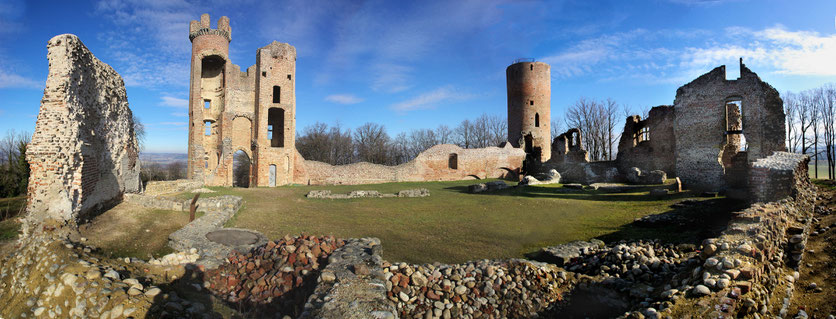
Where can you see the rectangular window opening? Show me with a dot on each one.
(288, 77)
(277, 93)
(264, 74)
(207, 104)
(275, 125)
(208, 126)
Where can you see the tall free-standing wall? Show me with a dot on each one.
(83, 155)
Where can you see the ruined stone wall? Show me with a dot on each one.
(83, 155)
(657, 152)
(434, 164)
(700, 124)
(529, 107)
(765, 241)
(777, 176)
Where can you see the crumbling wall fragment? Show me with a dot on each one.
(701, 125)
(83, 155)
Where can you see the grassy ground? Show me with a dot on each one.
(128, 230)
(452, 225)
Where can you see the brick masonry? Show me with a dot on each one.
(434, 164)
(83, 154)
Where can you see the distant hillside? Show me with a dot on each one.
(162, 158)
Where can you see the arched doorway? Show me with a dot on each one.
(240, 169)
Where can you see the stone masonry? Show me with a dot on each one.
(706, 122)
(83, 155)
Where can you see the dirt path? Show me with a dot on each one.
(819, 263)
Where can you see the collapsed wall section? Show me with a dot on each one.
(648, 144)
(443, 162)
(83, 155)
(713, 113)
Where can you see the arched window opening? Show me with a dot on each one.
(240, 169)
(453, 161)
(275, 127)
(536, 119)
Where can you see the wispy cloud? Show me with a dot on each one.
(783, 51)
(343, 99)
(654, 56)
(431, 99)
(163, 59)
(171, 101)
(174, 123)
(384, 42)
(10, 80)
(179, 114)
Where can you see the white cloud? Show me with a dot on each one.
(163, 59)
(9, 80)
(391, 78)
(343, 99)
(675, 56)
(431, 100)
(783, 51)
(174, 123)
(171, 101)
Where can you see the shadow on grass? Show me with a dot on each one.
(634, 194)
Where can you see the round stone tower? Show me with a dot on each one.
(207, 92)
(529, 108)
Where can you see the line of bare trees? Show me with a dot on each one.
(811, 127)
(371, 143)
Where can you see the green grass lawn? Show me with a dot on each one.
(452, 225)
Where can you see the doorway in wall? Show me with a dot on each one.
(240, 169)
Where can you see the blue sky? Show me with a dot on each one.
(420, 64)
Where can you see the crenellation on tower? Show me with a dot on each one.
(233, 111)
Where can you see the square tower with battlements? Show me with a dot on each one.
(241, 123)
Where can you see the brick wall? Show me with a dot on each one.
(431, 165)
(83, 154)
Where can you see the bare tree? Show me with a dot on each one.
(791, 111)
(371, 143)
(610, 112)
(444, 134)
(139, 133)
(465, 135)
(590, 117)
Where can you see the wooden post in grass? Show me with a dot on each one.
(193, 208)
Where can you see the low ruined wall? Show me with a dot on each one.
(762, 246)
(583, 172)
(155, 188)
(83, 155)
(434, 164)
(776, 176)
